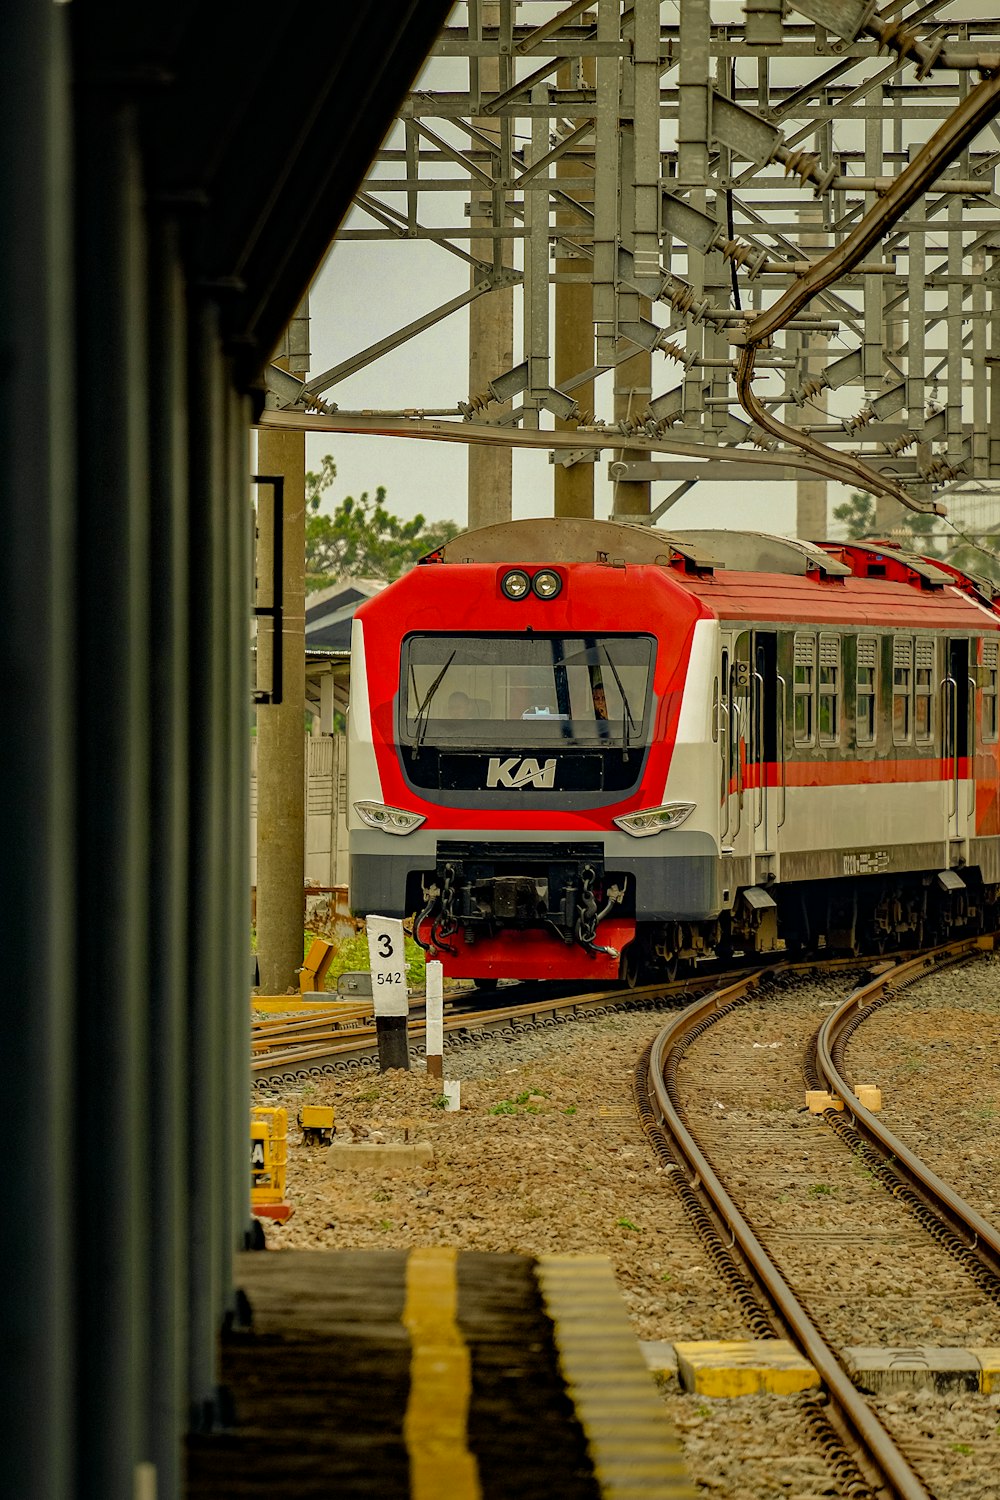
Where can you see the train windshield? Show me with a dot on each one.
(526, 689)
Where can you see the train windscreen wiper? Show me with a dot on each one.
(627, 719)
(423, 710)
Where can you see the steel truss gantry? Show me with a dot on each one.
(789, 209)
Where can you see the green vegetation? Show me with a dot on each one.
(920, 532)
(353, 954)
(521, 1104)
(627, 1224)
(361, 539)
(821, 1190)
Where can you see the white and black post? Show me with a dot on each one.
(435, 1018)
(387, 956)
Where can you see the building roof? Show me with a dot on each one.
(329, 612)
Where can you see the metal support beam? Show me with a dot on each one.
(708, 187)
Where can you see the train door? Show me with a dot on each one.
(725, 741)
(765, 752)
(957, 702)
(736, 665)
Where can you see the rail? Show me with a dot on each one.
(893, 1468)
(961, 1218)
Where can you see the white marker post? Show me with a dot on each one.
(435, 1018)
(387, 956)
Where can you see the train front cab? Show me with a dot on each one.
(536, 835)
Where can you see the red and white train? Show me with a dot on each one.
(583, 749)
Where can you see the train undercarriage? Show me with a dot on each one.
(866, 916)
(470, 906)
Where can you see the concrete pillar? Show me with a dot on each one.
(811, 518)
(491, 327)
(281, 738)
(633, 389)
(811, 508)
(491, 352)
(574, 304)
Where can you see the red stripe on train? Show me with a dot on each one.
(853, 772)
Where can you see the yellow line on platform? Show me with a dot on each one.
(436, 1423)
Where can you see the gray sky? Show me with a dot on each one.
(367, 290)
(364, 292)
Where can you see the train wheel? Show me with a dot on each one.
(630, 966)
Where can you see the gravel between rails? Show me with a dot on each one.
(546, 1155)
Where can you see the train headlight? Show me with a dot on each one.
(388, 819)
(546, 584)
(516, 584)
(655, 819)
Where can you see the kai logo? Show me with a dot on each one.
(517, 773)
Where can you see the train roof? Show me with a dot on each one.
(748, 574)
(569, 539)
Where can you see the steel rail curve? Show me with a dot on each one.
(864, 1426)
(959, 1216)
(347, 1046)
(312, 1042)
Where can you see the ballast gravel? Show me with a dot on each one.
(546, 1155)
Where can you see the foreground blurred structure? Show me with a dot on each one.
(153, 166)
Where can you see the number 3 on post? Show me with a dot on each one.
(388, 964)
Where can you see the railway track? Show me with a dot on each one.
(343, 1035)
(337, 1034)
(864, 1456)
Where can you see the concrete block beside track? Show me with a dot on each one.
(660, 1357)
(920, 1367)
(989, 1370)
(748, 1367)
(368, 1156)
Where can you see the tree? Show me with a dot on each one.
(980, 561)
(914, 530)
(858, 515)
(361, 539)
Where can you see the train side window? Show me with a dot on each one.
(866, 686)
(991, 709)
(923, 691)
(804, 690)
(829, 689)
(902, 689)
